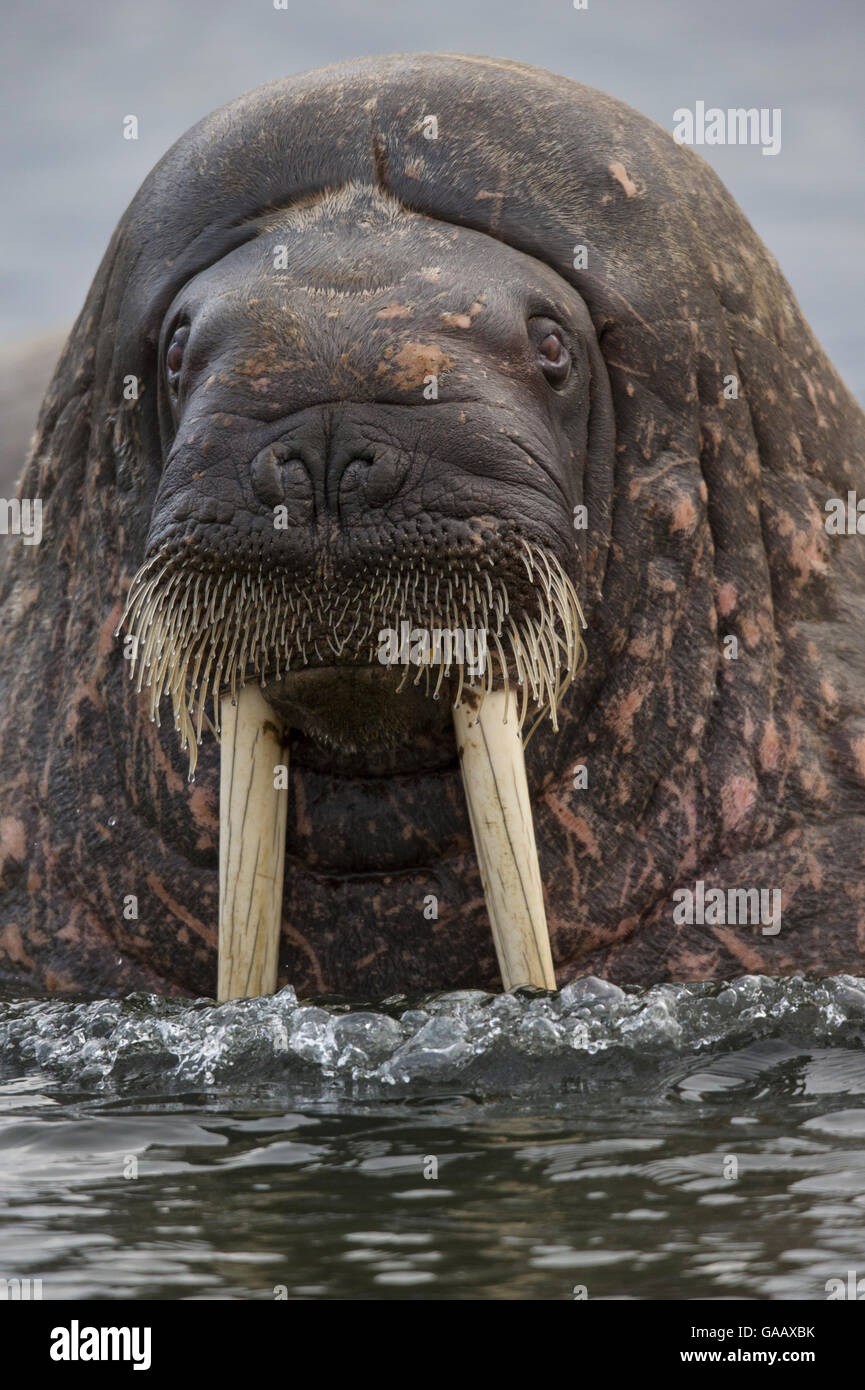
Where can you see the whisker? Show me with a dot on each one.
(200, 633)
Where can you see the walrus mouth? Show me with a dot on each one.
(221, 636)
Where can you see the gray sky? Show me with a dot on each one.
(72, 71)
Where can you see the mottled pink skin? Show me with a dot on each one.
(747, 772)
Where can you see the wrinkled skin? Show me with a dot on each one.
(705, 522)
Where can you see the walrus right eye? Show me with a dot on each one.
(174, 357)
(552, 355)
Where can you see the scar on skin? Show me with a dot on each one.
(727, 599)
(857, 748)
(684, 515)
(13, 838)
(620, 173)
(462, 320)
(395, 311)
(413, 363)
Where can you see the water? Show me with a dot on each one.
(680, 1142)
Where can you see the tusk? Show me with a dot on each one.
(494, 777)
(252, 816)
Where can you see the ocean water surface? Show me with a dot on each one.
(678, 1142)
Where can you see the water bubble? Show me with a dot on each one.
(590, 991)
(465, 1040)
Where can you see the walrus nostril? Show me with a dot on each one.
(371, 480)
(278, 479)
(384, 479)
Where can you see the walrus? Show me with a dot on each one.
(500, 355)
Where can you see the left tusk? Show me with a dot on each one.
(252, 819)
(494, 777)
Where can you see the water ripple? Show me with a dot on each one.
(464, 1040)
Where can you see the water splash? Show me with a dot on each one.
(468, 1040)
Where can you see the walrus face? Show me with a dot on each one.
(392, 429)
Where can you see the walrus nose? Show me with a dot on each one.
(311, 482)
(280, 479)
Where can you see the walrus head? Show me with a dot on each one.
(391, 433)
(370, 425)
(243, 448)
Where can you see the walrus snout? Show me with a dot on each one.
(321, 468)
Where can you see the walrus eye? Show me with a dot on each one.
(174, 356)
(553, 356)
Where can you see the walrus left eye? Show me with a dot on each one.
(553, 356)
(174, 356)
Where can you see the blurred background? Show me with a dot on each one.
(71, 73)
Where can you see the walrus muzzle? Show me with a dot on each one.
(225, 637)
